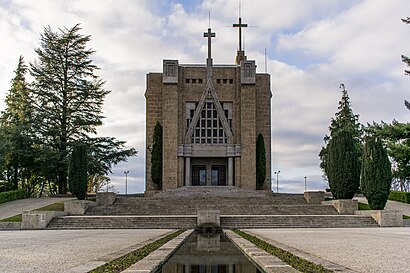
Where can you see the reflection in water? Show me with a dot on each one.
(208, 253)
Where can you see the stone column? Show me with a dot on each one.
(188, 171)
(230, 268)
(230, 171)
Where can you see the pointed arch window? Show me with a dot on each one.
(209, 129)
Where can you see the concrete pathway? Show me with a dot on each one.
(71, 251)
(391, 205)
(376, 250)
(12, 208)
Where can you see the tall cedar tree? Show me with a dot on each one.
(260, 161)
(343, 165)
(15, 125)
(68, 97)
(156, 156)
(344, 119)
(77, 174)
(376, 173)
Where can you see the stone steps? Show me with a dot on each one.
(186, 222)
(182, 208)
(121, 222)
(298, 221)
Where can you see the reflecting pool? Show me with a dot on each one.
(208, 253)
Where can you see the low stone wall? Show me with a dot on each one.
(77, 207)
(106, 198)
(209, 218)
(344, 206)
(38, 219)
(385, 218)
(10, 225)
(314, 197)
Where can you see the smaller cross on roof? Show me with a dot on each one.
(209, 35)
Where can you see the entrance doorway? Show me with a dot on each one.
(218, 175)
(198, 175)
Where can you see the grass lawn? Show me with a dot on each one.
(364, 206)
(15, 218)
(53, 207)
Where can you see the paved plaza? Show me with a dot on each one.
(66, 250)
(376, 250)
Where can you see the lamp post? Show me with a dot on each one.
(305, 182)
(126, 181)
(277, 181)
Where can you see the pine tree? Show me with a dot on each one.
(343, 165)
(376, 177)
(68, 97)
(77, 174)
(260, 161)
(156, 156)
(15, 123)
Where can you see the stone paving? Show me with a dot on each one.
(67, 250)
(12, 208)
(376, 250)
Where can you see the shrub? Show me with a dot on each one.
(376, 173)
(260, 162)
(77, 173)
(156, 156)
(343, 165)
(12, 195)
(400, 196)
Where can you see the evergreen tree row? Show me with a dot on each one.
(350, 164)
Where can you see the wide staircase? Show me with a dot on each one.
(238, 209)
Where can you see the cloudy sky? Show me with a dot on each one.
(312, 46)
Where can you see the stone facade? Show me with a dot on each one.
(211, 116)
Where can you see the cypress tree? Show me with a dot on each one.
(77, 174)
(344, 119)
(156, 156)
(260, 161)
(376, 177)
(343, 165)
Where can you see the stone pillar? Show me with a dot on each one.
(230, 171)
(188, 171)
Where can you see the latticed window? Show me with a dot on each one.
(209, 128)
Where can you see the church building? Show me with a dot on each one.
(211, 115)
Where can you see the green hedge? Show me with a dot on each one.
(400, 196)
(12, 195)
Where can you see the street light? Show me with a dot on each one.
(305, 182)
(277, 181)
(126, 181)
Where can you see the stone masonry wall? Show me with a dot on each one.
(263, 120)
(153, 96)
(248, 137)
(170, 135)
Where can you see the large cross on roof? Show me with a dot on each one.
(240, 26)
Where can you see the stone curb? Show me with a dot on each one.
(10, 225)
(90, 265)
(156, 259)
(266, 261)
(306, 256)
